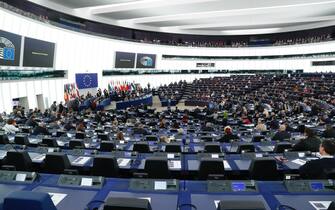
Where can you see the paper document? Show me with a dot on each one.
(226, 164)
(57, 197)
(81, 160)
(299, 162)
(160, 185)
(123, 162)
(259, 155)
(86, 182)
(20, 177)
(175, 164)
(320, 205)
(170, 156)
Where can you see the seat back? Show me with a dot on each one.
(105, 166)
(28, 200)
(263, 169)
(103, 136)
(210, 166)
(151, 138)
(106, 146)
(212, 148)
(280, 148)
(157, 168)
(258, 138)
(50, 142)
(4, 138)
(56, 163)
(80, 135)
(60, 133)
(141, 147)
(207, 138)
(173, 147)
(20, 159)
(21, 139)
(76, 144)
(245, 148)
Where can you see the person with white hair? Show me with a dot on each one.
(282, 134)
(10, 127)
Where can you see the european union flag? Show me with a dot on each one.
(9, 54)
(87, 80)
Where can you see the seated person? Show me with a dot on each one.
(208, 127)
(179, 134)
(139, 129)
(329, 132)
(10, 127)
(260, 126)
(228, 135)
(315, 169)
(81, 127)
(31, 122)
(120, 136)
(41, 129)
(164, 139)
(310, 143)
(282, 134)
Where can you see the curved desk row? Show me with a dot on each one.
(145, 100)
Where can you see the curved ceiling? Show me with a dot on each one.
(204, 17)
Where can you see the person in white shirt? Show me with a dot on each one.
(10, 127)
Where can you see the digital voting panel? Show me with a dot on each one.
(38, 53)
(146, 61)
(10, 49)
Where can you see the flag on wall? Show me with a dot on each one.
(87, 80)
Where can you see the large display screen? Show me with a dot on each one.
(38, 53)
(146, 61)
(124, 60)
(10, 48)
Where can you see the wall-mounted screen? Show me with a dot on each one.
(323, 63)
(38, 53)
(10, 48)
(146, 61)
(124, 60)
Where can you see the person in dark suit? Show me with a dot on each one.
(311, 143)
(329, 132)
(139, 129)
(41, 130)
(31, 122)
(316, 169)
(282, 134)
(228, 135)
